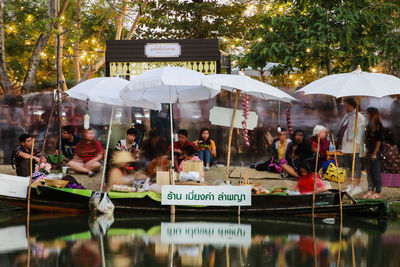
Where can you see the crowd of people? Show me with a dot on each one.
(85, 154)
(298, 157)
(293, 156)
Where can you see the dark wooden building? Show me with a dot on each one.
(132, 57)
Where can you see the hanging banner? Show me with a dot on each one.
(206, 233)
(162, 50)
(206, 195)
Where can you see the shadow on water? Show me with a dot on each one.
(139, 240)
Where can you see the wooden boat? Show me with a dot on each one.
(51, 199)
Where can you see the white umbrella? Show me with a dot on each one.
(249, 71)
(106, 90)
(356, 83)
(243, 84)
(170, 85)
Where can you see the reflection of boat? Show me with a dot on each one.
(76, 201)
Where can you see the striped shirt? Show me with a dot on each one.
(122, 146)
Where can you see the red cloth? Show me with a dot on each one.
(306, 246)
(89, 150)
(323, 146)
(305, 185)
(177, 145)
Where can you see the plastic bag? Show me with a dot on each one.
(100, 204)
(333, 172)
(105, 205)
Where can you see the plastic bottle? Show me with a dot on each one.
(331, 147)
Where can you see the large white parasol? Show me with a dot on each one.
(170, 85)
(106, 90)
(243, 84)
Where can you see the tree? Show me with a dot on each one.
(334, 36)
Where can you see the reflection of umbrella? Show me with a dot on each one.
(356, 83)
(106, 90)
(170, 85)
(243, 84)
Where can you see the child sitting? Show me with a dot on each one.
(305, 185)
(188, 154)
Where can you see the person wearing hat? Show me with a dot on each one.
(121, 171)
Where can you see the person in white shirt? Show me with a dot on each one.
(345, 143)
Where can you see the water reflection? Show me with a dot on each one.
(160, 241)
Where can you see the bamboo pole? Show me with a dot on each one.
(340, 203)
(48, 126)
(353, 254)
(29, 203)
(314, 244)
(315, 176)
(337, 173)
(355, 143)
(103, 175)
(230, 135)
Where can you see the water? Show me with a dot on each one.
(139, 240)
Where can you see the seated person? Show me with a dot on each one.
(159, 163)
(129, 143)
(88, 154)
(321, 132)
(279, 150)
(120, 172)
(189, 153)
(23, 155)
(305, 185)
(390, 153)
(206, 148)
(68, 142)
(181, 144)
(298, 150)
(151, 146)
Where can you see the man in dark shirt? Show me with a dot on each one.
(68, 142)
(23, 155)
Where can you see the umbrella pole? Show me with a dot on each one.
(28, 209)
(106, 152)
(230, 135)
(171, 167)
(355, 143)
(315, 176)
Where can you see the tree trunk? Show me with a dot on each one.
(94, 68)
(120, 20)
(39, 47)
(59, 45)
(4, 78)
(77, 65)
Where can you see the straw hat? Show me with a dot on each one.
(122, 157)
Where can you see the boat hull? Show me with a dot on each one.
(326, 205)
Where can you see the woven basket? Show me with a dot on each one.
(56, 183)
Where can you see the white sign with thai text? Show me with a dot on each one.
(206, 233)
(223, 117)
(162, 50)
(206, 195)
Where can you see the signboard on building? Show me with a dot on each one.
(206, 195)
(162, 50)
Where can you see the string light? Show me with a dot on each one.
(271, 29)
(308, 50)
(373, 70)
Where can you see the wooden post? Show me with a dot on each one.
(355, 143)
(315, 176)
(228, 161)
(337, 173)
(29, 202)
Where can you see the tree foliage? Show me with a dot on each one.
(332, 36)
